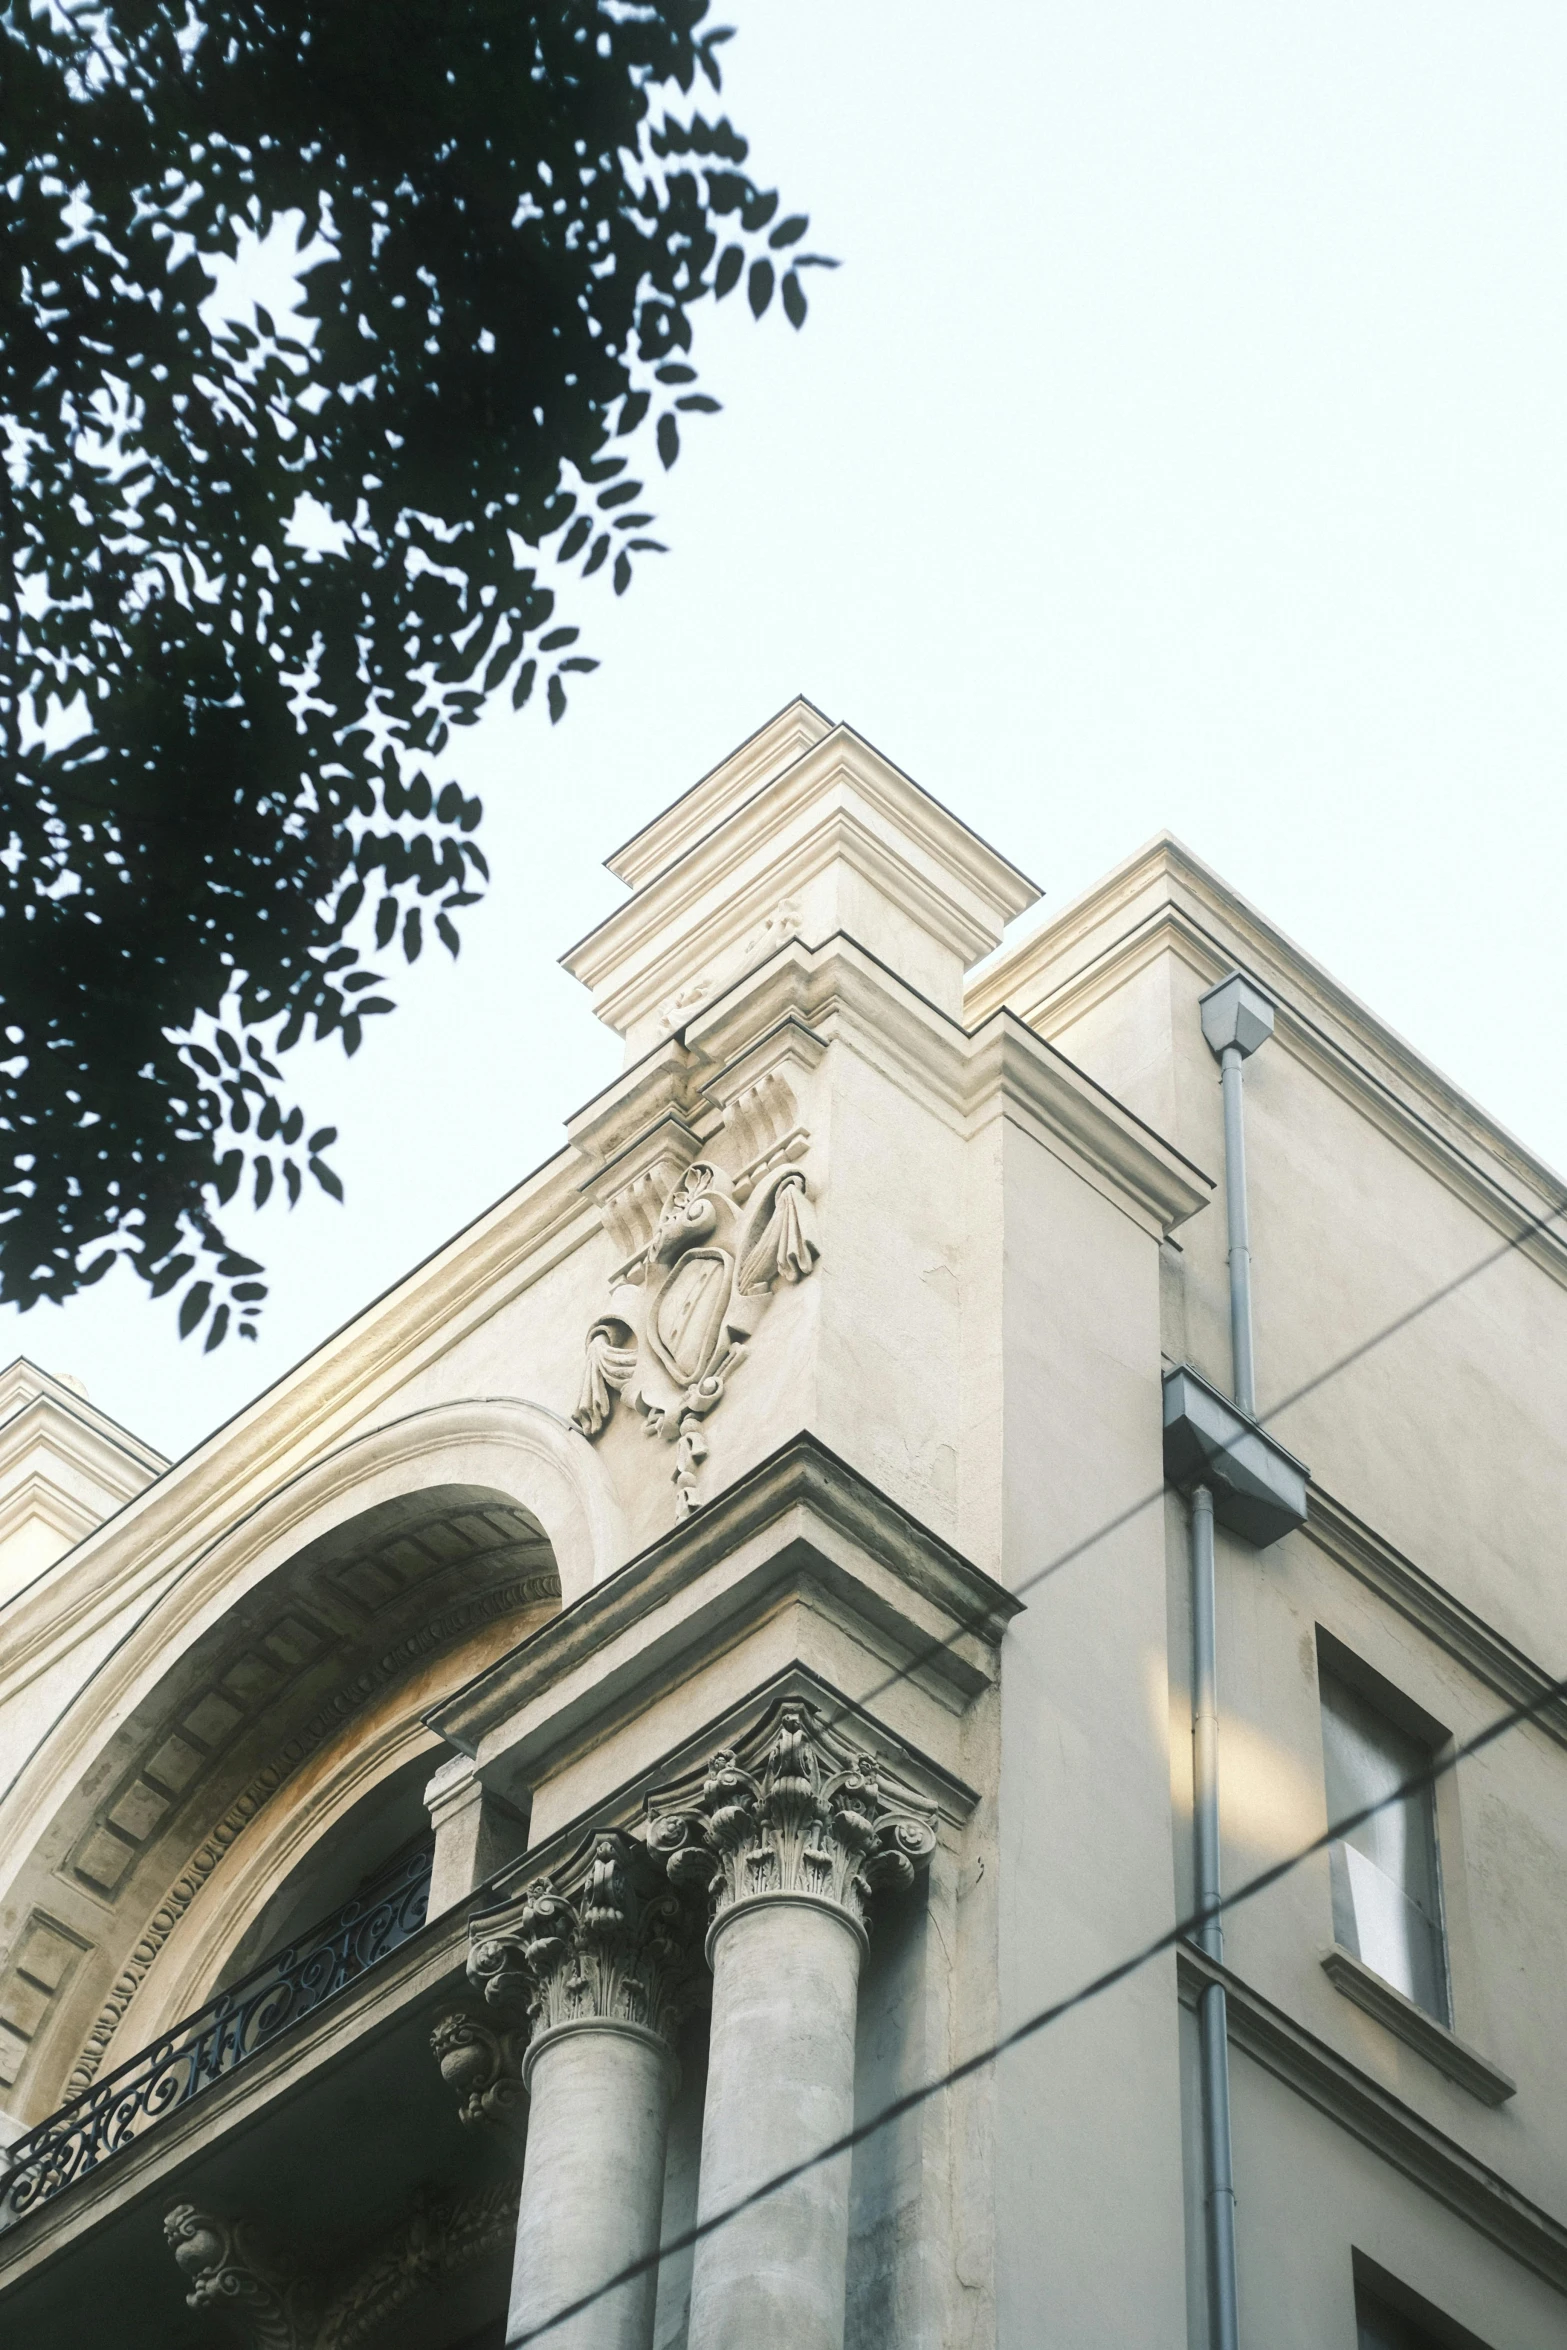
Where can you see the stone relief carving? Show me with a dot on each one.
(793, 1808)
(440, 2237)
(481, 2063)
(277, 2305)
(234, 2273)
(772, 932)
(603, 1937)
(686, 1306)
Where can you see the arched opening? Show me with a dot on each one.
(353, 1855)
(274, 1762)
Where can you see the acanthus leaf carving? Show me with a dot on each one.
(603, 1938)
(793, 1809)
(439, 2237)
(685, 1310)
(233, 2272)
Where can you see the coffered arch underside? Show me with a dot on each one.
(251, 1727)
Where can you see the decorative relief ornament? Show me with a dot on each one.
(796, 1809)
(232, 2272)
(602, 1939)
(440, 2238)
(685, 1307)
(481, 2063)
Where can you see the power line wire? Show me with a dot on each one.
(936, 1649)
(1185, 1929)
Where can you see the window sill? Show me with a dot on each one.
(1422, 2032)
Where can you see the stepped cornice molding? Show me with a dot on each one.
(835, 992)
(1383, 2121)
(1010, 1064)
(729, 785)
(32, 1403)
(1423, 1602)
(802, 1511)
(741, 885)
(1166, 898)
(302, 1421)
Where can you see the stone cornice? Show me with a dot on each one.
(1163, 899)
(411, 1975)
(953, 1630)
(34, 1407)
(730, 784)
(1487, 1653)
(839, 801)
(1118, 1151)
(1384, 2122)
(153, 1538)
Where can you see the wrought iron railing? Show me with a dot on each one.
(234, 2026)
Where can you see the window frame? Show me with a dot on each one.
(1411, 1720)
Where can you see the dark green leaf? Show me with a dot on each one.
(193, 1305)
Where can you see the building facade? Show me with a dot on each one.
(621, 1746)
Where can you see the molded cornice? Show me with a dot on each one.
(1136, 1166)
(725, 787)
(949, 1634)
(1490, 1656)
(1164, 898)
(1382, 2121)
(839, 804)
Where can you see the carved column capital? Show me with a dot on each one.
(795, 1809)
(233, 2273)
(601, 1939)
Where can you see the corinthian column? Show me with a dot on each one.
(793, 1833)
(597, 1958)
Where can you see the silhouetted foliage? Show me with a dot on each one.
(252, 573)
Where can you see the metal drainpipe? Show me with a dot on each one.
(1212, 2007)
(1236, 1019)
(1231, 1063)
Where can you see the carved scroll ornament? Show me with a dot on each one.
(603, 1938)
(687, 1306)
(481, 2063)
(234, 2273)
(275, 2304)
(796, 1809)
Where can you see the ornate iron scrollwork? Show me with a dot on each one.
(234, 2026)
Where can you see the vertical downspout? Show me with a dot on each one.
(1212, 2006)
(1233, 1082)
(1236, 1018)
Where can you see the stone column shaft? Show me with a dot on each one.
(592, 2184)
(792, 1832)
(780, 2086)
(597, 1962)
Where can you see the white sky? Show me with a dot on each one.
(1184, 441)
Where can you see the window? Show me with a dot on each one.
(1389, 2316)
(1387, 1901)
(1380, 2329)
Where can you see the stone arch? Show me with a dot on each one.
(272, 1680)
